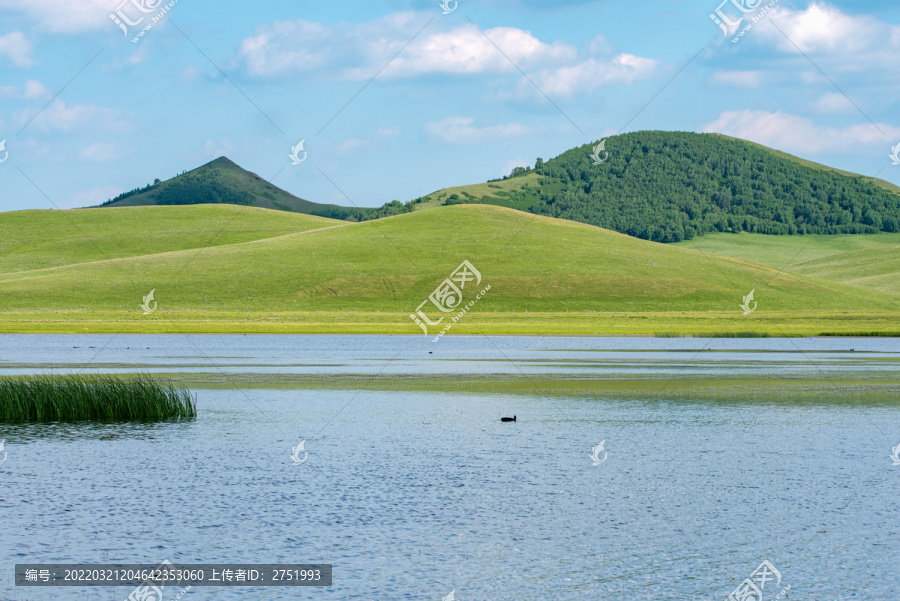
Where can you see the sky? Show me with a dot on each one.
(394, 99)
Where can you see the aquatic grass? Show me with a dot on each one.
(45, 399)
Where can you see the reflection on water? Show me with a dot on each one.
(414, 494)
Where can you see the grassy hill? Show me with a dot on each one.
(515, 193)
(546, 276)
(867, 261)
(31, 240)
(219, 182)
(673, 186)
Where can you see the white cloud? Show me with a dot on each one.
(795, 134)
(832, 102)
(58, 116)
(823, 28)
(467, 50)
(99, 152)
(739, 79)
(852, 44)
(359, 51)
(17, 48)
(65, 16)
(593, 73)
(287, 47)
(32, 90)
(459, 130)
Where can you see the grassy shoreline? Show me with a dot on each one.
(682, 323)
(871, 389)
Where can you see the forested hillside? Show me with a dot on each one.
(672, 186)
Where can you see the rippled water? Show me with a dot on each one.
(413, 494)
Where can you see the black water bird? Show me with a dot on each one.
(508, 419)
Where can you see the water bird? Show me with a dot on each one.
(508, 419)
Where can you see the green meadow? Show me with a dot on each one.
(223, 268)
(508, 192)
(868, 261)
(32, 240)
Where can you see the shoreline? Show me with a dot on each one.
(680, 324)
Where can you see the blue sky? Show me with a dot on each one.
(459, 98)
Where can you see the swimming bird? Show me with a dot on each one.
(508, 419)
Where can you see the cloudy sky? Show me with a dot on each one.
(396, 99)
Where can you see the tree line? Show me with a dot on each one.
(672, 186)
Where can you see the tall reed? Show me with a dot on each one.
(44, 399)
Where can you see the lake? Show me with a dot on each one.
(718, 454)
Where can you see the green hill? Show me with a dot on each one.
(219, 182)
(660, 186)
(546, 276)
(878, 269)
(867, 261)
(31, 240)
(223, 182)
(673, 186)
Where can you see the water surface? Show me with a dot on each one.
(412, 494)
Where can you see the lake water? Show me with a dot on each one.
(414, 494)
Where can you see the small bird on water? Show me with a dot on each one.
(508, 419)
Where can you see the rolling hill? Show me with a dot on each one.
(39, 239)
(673, 186)
(660, 186)
(219, 182)
(867, 261)
(546, 276)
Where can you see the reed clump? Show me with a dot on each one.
(42, 399)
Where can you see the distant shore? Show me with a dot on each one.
(681, 323)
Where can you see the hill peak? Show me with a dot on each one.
(220, 181)
(222, 161)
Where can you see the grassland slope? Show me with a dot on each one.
(867, 261)
(532, 263)
(32, 240)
